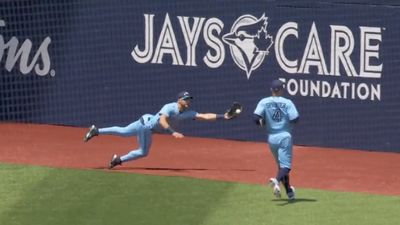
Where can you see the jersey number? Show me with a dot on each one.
(277, 115)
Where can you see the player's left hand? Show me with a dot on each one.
(177, 135)
(233, 111)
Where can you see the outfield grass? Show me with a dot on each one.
(47, 196)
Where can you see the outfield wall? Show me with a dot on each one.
(108, 62)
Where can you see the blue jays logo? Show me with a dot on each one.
(249, 42)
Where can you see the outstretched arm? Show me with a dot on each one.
(164, 123)
(232, 112)
(211, 116)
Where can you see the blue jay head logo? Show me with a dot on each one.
(249, 42)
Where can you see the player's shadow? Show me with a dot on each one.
(283, 202)
(170, 169)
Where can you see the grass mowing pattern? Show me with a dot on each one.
(46, 196)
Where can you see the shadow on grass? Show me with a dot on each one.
(283, 202)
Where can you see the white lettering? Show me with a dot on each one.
(315, 88)
(368, 51)
(303, 88)
(286, 30)
(345, 86)
(145, 55)
(363, 91)
(313, 55)
(310, 60)
(326, 89)
(22, 54)
(376, 92)
(342, 52)
(167, 44)
(191, 37)
(292, 87)
(335, 90)
(216, 60)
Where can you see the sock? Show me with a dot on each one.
(283, 176)
(286, 183)
(282, 172)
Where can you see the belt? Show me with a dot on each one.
(142, 119)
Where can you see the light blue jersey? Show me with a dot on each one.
(277, 112)
(145, 126)
(171, 111)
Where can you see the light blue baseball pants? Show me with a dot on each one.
(281, 147)
(138, 129)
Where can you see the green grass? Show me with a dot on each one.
(46, 196)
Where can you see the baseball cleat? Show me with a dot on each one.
(291, 195)
(93, 131)
(115, 161)
(275, 185)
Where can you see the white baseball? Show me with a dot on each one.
(238, 111)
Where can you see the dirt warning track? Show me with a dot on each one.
(215, 159)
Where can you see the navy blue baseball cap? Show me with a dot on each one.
(184, 95)
(276, 85)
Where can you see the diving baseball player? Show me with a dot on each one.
(278, 114)
(147, 124)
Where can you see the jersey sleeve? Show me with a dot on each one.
(292, 111)
(167, 110)
(260, 109)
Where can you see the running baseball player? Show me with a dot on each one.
(160, 123)
(278, 114)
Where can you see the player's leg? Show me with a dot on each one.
(129, 130)
(283, 176)
(144, 139)
(285, 163)
(273, 142)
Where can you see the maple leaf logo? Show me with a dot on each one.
(263, 41)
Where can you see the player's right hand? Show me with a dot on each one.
(177, 135)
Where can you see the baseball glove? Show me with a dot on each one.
(234, 110)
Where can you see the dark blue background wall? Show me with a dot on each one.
(92, 77)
